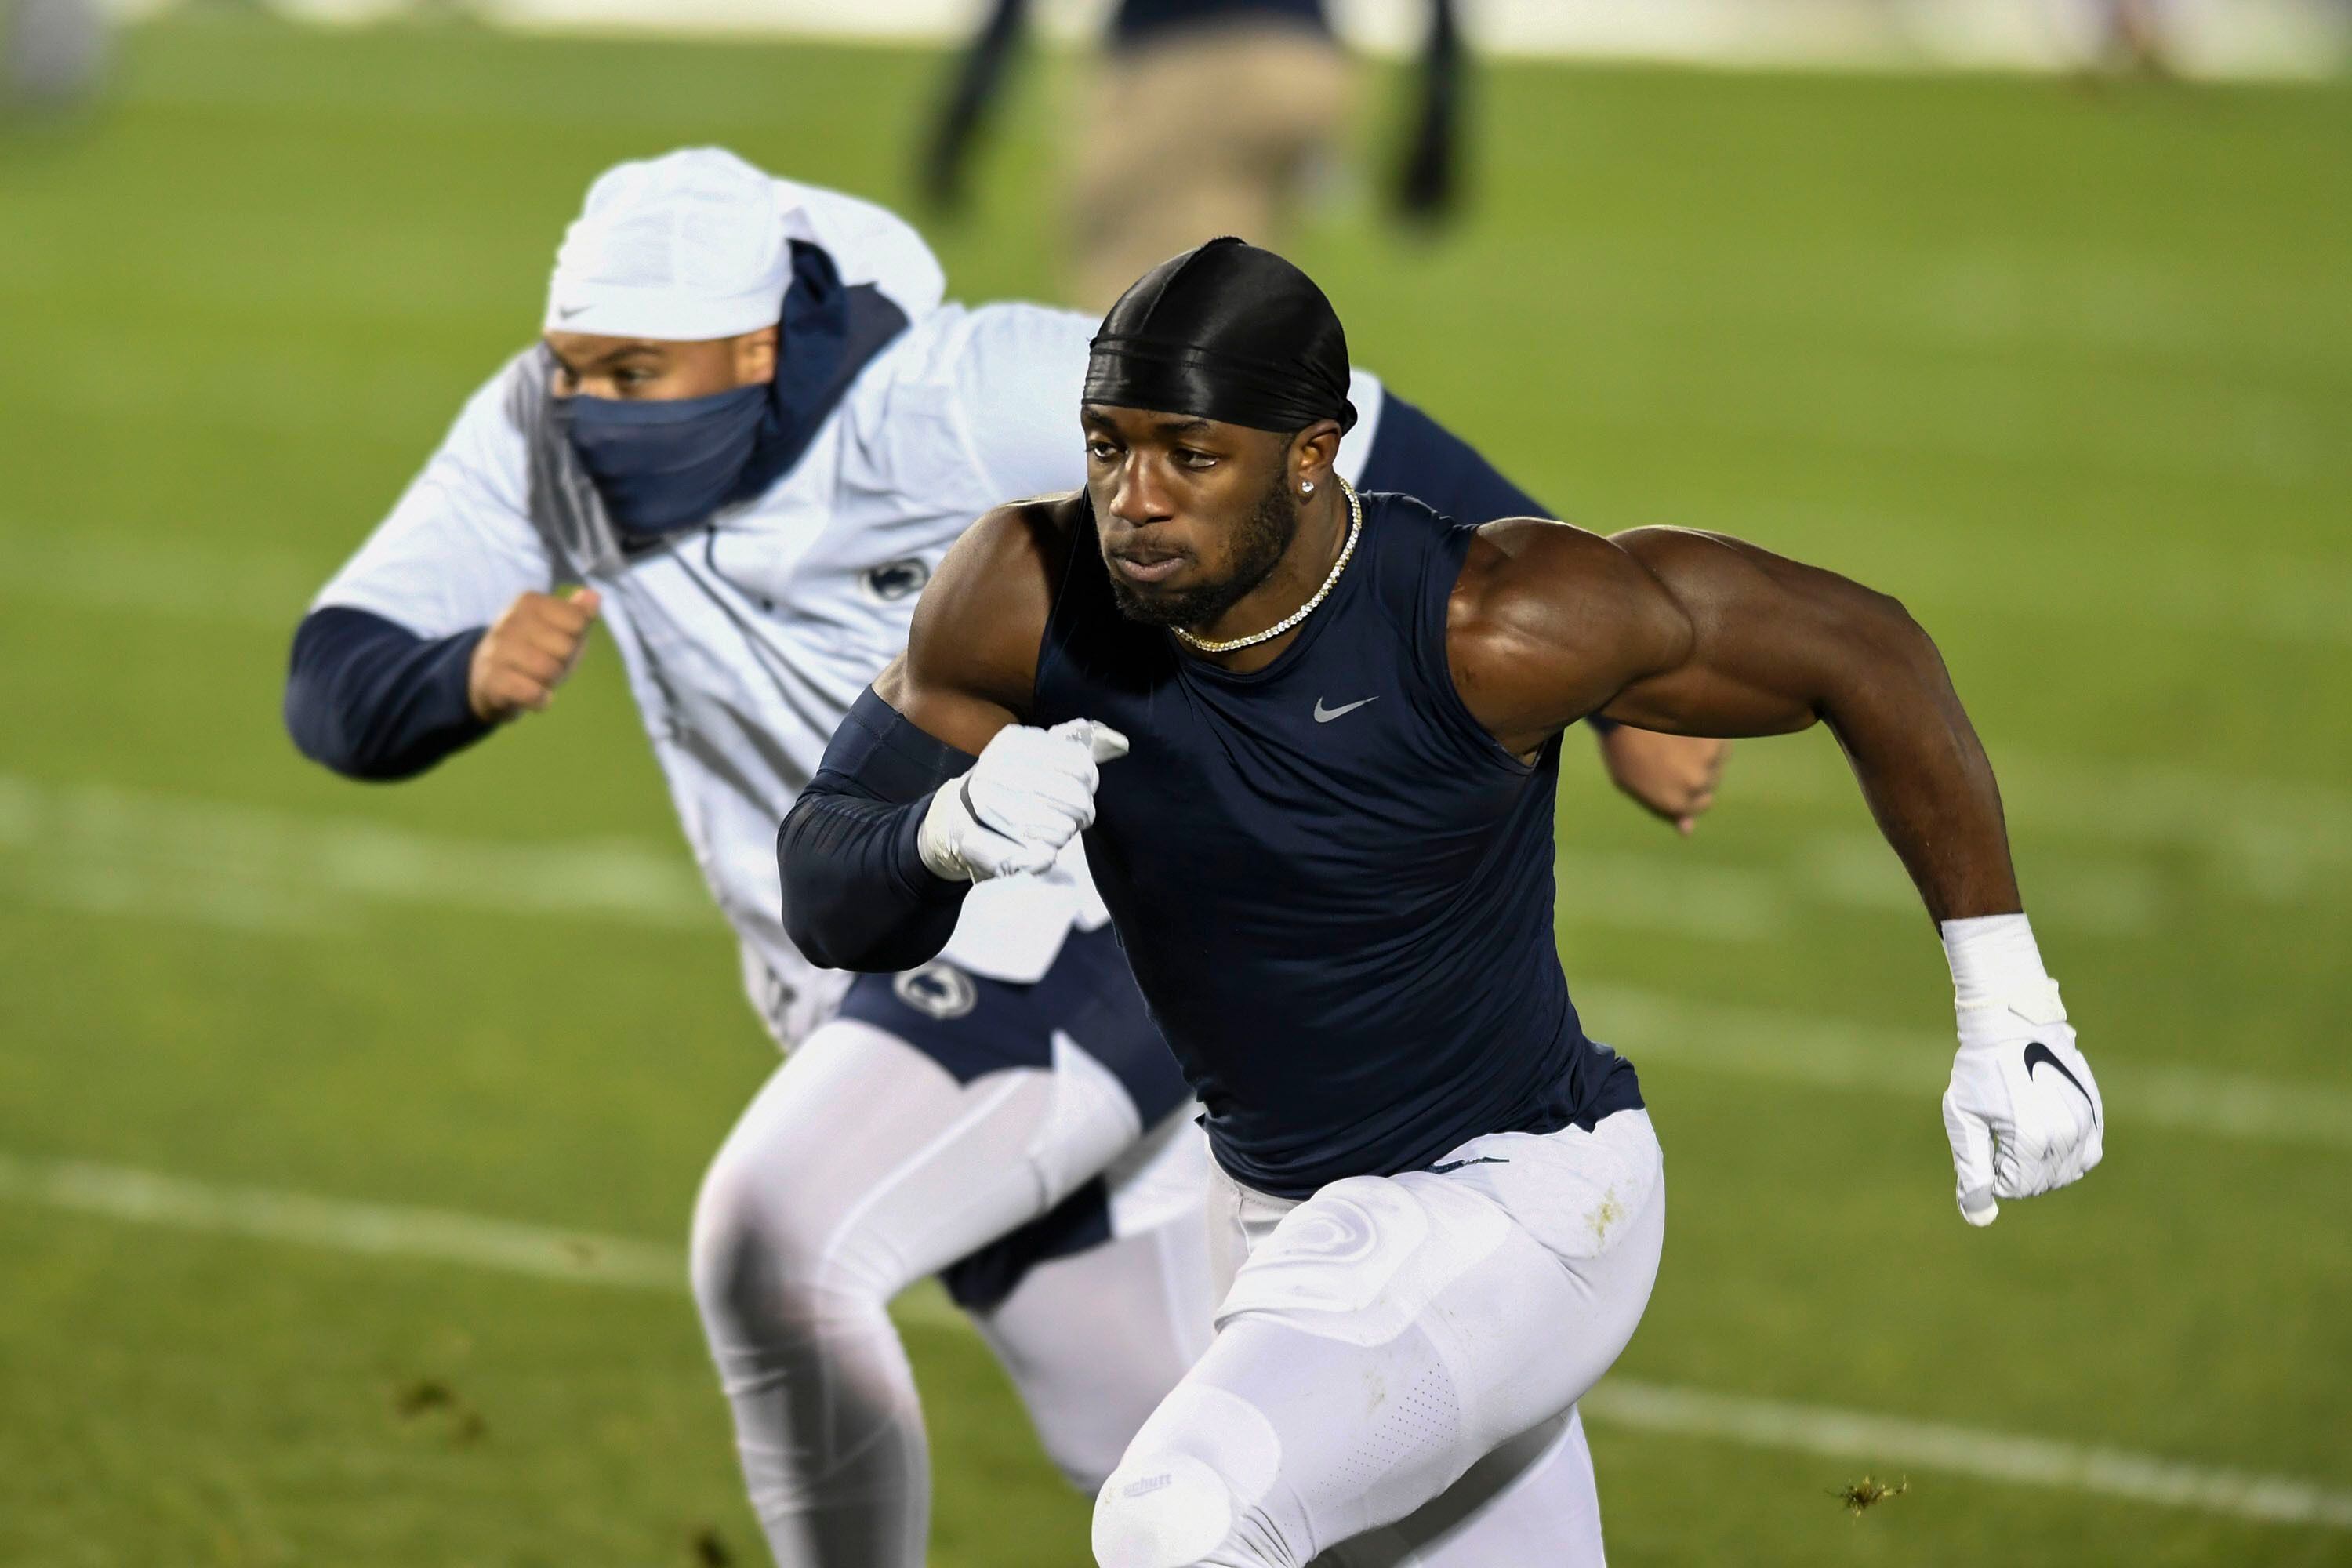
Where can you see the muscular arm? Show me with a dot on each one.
(858, 890)
(1699, 634)
(1671, 776)
(970, 664)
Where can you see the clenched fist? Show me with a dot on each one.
(1673, 776)
(527, 653)
(1031, 792)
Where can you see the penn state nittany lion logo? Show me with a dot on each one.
(939, 989)
(896, 580)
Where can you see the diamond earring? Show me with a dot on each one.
(1307, 488)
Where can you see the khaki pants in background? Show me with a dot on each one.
(1211, 132)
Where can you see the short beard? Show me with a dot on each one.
(1259, 542)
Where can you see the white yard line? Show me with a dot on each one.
(2257, 840)
(2267, 839)
(112, 851)
(382, 1229)
(96, 847)
(160, 857)
(1841, 1053)
(2016, 1457)
(441, 1235)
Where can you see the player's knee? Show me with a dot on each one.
(1194, 1489)
(724, 1251)
(1163, 1508)
(761, 1256)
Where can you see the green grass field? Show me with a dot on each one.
(2070, 371)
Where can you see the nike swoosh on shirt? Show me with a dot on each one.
(1325, 715)
(2037, 1053)
(1458, 1164)
(565, 312)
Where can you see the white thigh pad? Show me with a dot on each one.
(1576, 1192)
(1364, 1257)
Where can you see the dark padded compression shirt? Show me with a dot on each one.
(1334, 887)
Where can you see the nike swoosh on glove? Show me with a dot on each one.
(1031, 792)
(2023, 1112)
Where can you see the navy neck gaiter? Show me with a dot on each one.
(661, 467)
(666, 465)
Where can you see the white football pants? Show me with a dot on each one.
(1382, 1338)
(863, 1166)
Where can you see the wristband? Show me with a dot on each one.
(1995, 963)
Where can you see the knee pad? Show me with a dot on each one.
(1189, 1489)
(1169, 1511)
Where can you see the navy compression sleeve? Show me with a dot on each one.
(857, 892)
(371, 700)
(1415, 454)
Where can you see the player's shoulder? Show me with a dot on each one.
(1015, 352)
(982, 617)
(1028, 322)
(493, 410)
(1036, 527)
(1541, 618)
(958, 345)
(974, 403)
(1529, 577)
(486, 448)
(1007, 563)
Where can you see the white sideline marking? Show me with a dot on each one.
(123, 853)
(2266, 840)
(441, 1235)
(1846, 1055)
(109, 850)
(381, 1230)
(2014, 1456)
(120, 851)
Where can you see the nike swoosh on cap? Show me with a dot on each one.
(1325, 715)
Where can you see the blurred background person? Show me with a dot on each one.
(2132, 37)
(1202, 117)
(52, 54)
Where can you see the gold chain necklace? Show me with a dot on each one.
(1355, 527)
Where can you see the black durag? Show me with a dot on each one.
(1227, 331)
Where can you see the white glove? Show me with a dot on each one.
(2023, 1112)
(1031, 792)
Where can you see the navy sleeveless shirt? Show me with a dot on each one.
(1334, 887)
